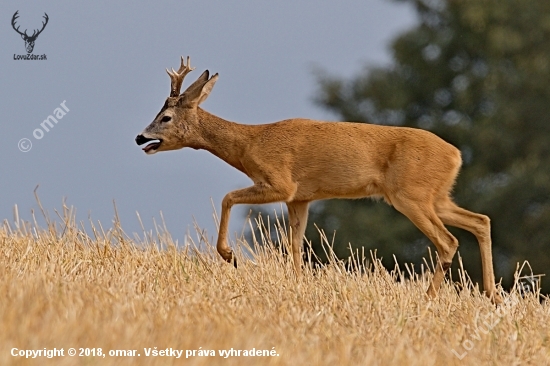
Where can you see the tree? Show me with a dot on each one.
(476, 73)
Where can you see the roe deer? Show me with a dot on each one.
(297, 161)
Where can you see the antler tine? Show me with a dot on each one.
(185, 68)
(177, 77)
(45, 16)
(13, 19)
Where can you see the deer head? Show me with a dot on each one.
(175, 126)
(29, 40)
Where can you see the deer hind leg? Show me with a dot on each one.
(297, 218)
(480, 226)
(257, 194)
(423, 215)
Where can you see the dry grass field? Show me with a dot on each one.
(62, 288)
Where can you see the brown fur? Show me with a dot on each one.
(297, 161)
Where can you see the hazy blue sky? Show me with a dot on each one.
(106, 59)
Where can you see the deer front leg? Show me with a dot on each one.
(257, 194)
(297, 219)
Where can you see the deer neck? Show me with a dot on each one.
(224, 139)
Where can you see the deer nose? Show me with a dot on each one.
(140, 139)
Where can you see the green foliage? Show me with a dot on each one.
(476, 73)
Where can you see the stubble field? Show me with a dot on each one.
(62, 288)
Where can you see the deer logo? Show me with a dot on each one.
(29, 40)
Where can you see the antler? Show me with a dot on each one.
(15, 16)
(36, 31)
(35, 34)
(177, 76)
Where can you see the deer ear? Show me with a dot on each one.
(197, 92)
(207, 88)
(197, 84)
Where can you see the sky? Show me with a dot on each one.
(104, 76)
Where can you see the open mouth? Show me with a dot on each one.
(152, 144)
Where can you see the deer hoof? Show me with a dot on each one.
(228, 256)
(231, 259)
(496, 299)
(431, 293)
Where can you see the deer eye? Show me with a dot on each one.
(166, 119)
